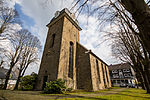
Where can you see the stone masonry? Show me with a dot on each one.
(65, 58)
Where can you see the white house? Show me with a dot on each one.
(12, 79)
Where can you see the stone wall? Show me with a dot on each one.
(83, 72)
(96, 83)
(89, 72)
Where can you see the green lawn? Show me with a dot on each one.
(107, 94)
(111, 94)
(128, 94)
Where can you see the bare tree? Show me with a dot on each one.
(128, 47)
(29, 55)
(14, 55)
(7, 17)
(140, 12)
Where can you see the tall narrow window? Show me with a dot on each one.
(70, 73)
(98, 73)
(103, 73)
(53, 40)
(106, 74)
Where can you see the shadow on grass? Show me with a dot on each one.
(2, 97)
(24, 92)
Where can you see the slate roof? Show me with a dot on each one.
(3, 72)
(120, 66)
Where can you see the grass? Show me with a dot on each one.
(107, 94)
(127, 94)
(90, 92)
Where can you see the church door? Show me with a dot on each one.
(44, 82)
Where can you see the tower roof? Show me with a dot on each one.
(70, 16)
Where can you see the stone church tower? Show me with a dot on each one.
(65, 58)
(59, 55)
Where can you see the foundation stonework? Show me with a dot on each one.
(65, 58)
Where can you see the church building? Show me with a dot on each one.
(65, 58)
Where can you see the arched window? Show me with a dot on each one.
(71, 48)
(103, 73)
(98, 73)
(106, 74)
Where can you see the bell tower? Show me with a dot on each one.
(59, 56)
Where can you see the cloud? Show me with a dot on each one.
(91, 38)
(4, 42)
(11, 3)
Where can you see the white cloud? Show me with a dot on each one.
(14, 27)
(95, 40)
(11, 3)
(4, 42)
(89, 37)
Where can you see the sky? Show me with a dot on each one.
(36, 14)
